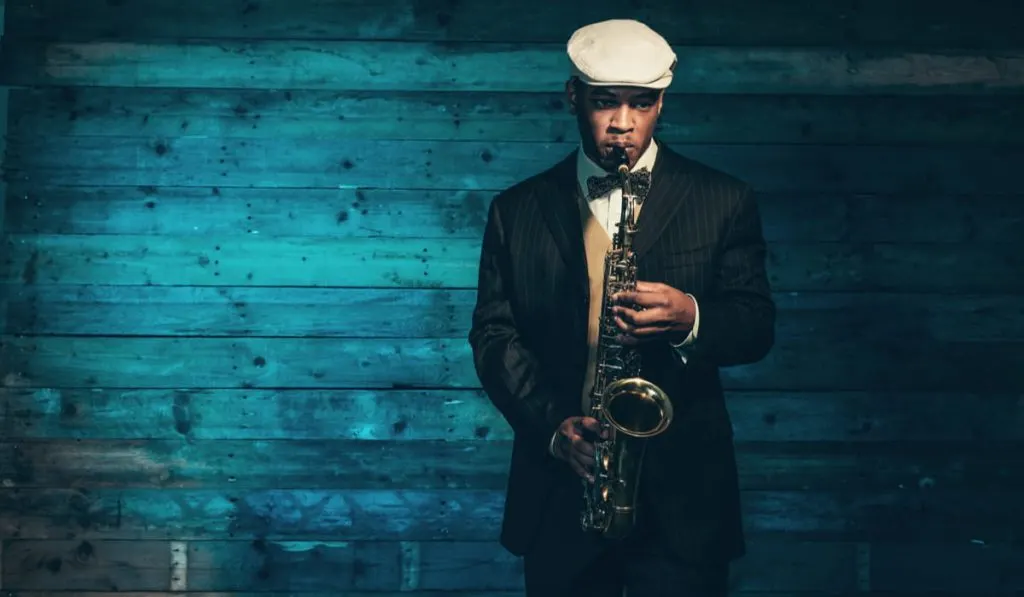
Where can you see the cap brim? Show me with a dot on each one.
(661, 83)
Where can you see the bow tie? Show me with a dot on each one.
(640, 181)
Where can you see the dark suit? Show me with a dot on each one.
(699, 231)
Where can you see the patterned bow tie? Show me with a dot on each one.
(639, 180)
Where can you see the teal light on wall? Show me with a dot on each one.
(240, 244)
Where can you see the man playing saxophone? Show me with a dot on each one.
(612, 288)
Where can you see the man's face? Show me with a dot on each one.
(610, 116)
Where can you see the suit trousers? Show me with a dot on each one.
(640, 565)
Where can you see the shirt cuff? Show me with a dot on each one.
(551, 444)
(692, 336)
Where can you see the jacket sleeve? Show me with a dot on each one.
(509, 372)
(738, 317)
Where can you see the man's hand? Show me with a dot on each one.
(573, 446)
(653, 311)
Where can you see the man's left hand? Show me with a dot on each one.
(664, 312)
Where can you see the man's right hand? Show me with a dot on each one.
(573, 447)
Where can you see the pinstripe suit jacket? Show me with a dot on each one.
(699, 231)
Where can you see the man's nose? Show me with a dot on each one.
(621, 119)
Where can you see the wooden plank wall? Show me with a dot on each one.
(4, 93)
(241, 247)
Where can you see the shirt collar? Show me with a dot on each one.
(585, 167)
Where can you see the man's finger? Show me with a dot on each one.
(585, 464)
(584, 447)
(642, 299)
(645, 287)
(652, 316)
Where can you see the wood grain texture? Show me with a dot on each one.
(471, 66)
(687, 117)
(716, 22)
(803, 362)
(971, 218)
(481, 464)
(485, 593)
(319, 162)
(228, 311)
(320, 566)
(475, 515)
(458, 416)
(452, 263)
(240, 253)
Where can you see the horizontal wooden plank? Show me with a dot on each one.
(970, 566)
(312, 566)
(452, 263)
(465, 515)
(531, 117)
(812, 361)
(479, 464)
(484, 593)
(439, 313)
(232, 211)
(343, 593)
(503, 66)
(238, 363)
(246, 260)
(717, 22)
(242, 311)
(301, 565)
(415, 213)
(467, 415)
(466, 165)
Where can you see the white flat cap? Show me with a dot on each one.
(621, 52)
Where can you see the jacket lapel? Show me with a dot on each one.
(671, 183)
(558, 205)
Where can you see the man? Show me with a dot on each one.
(703, 302)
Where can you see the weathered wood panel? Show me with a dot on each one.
(530, 117)
(453, 214)
(453, 263)
(466, 515)
(940, 593)
(262, 565)
(715, 22)
(257, 99)
(343, 593)
(809, 361)
(321, 162)
(469, 66)
(481, 463)
(467, 415)
(439, 313)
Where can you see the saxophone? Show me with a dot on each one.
(631, 408)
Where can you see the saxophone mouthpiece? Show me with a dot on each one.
(621, 159)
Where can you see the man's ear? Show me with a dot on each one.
(570, 96)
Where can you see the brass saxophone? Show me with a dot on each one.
(633, 409)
